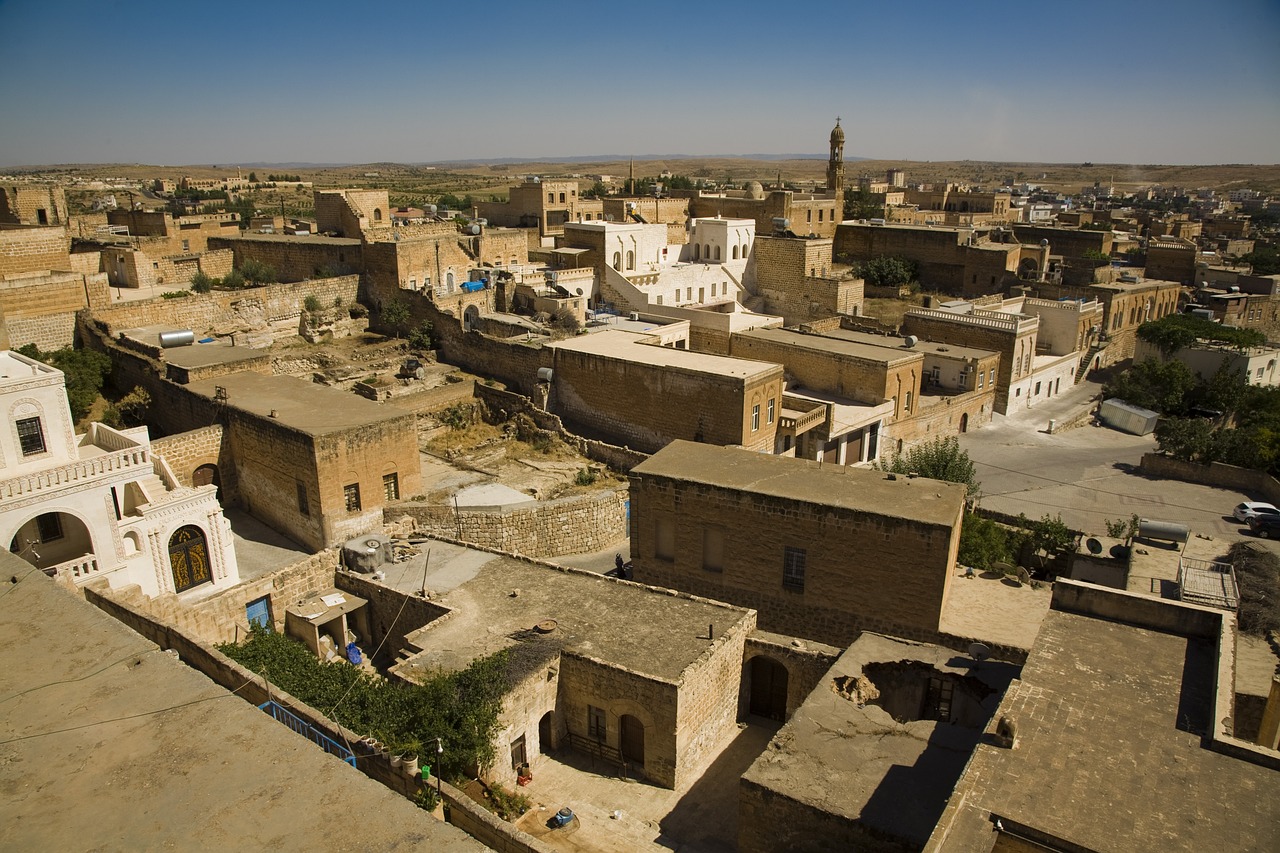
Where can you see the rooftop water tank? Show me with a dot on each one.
(177, 338)
(1164, 531)
(366, 553)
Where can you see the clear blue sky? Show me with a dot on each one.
(224, 81)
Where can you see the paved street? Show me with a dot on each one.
(1087, 474)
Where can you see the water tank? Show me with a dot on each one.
(366, 553)
(545, 374)
(910, 341)
(177, 338)
(1163, 531)
(781, 223)
(475, 229)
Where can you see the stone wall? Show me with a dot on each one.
(187, 451)
(295, 259)
(573, 525)
(1217, 474)
(943, 417)
(33, 249)
(393, 615)
(771, 822)
(863, 571)
(707, 715)
(646, 406)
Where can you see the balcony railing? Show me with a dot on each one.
(80, 569)
(74, 472)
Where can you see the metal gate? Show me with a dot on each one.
(310, 732)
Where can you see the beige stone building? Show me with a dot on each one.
(33, 204)
(819, 551)
(631, 389)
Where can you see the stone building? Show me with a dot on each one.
(819, 551)
(961, 261)
(1125, 304)
(537, 204)
(349, 213)
(1042, 343)
(1159, 735)
(633, 675)
(629, 388)
(797, 279)
(42, 285)
(102, 504)
(1172, 259)
(33, 204)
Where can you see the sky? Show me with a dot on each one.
(415, 81)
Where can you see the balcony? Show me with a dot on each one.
(75, 472)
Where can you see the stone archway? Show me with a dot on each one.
(206, 475)
(50, 539)
(631, 739)
(768, 688)
(964, 422)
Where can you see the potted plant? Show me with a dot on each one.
(410, 755)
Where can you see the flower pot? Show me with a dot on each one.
(397, 761)
(409, 766)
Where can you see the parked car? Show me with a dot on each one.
(1249, 510)
(1266, 526)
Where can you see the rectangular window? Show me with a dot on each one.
(755, 417)
(713, 549)
(30, 436)
(351, 494)
(596, 727)
(551, 198)
(664, 540)
(186, 245)
(981, 377)
(793, 568)
(258, 612)
(907, 407)
(391, 486)
(304, 506)
(992, 376)
(820, 212)
(50, 526)
(1037, 389)
(770, 416)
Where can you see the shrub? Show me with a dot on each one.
(257, 272)
(201, 283)
(585, 477)
(507, 805)
(420, 337)
(175, 294)
(311, 304)
(457, 417)
(233, 280)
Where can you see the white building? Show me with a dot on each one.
(100, 505)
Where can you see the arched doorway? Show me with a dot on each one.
(470, 318)
(207, 475)
(51, 539)
(546, 733)
(632, 736)
(768, 688)
(189, 558)
(964, 422)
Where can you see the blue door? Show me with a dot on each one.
(259, 612)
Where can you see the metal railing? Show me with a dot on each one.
(310, 732)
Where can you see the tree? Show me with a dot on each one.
(1264, 259)
(396, 316)
(860, 203)
(253, 177)
(1188, 439)
(887, 271)
(201, 283)
(1177, 331)
(983, 542)
(597, 190)
(940, 459)
(420, 337)
(85, 371)
(130, 410)
(258, 272)
(1151, 384)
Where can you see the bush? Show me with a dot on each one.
(233, 280)
(457, 417)
(1258, 574)
(420, 337)
(940, 459)
(983, 542)
(175, 294)
(395, 314)
(507, 805)
(888, 271)
(201, 283)
(311, 304)
(585, 477)
(257, 272)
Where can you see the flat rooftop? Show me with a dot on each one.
(111, 743)
(644, 629)
(628, 346)
(855, 489)
(895, 341)
(298, 404)
(881, 353)
(197, 354)
(1108, 754)
(856, 761)
(15, 368)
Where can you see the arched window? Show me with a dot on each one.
(617, 260)
(717, 253)
(697, 252)
(448, 280)
(189, 558)
(631, 259)
(377, 214)
(735, 253)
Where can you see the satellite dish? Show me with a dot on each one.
(579, 291)
(1094, 546)
(979, 652)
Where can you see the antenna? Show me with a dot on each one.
(979, 652)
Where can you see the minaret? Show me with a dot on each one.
(835, 166)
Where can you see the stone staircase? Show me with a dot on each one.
(1082, 372)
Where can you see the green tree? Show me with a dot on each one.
(201, 283)
(886, 271)
(941, 459)
(1177, 331)
(396, 316)
(233, 280)
(257, 272)
(85, 371)
(1264, 259)
(983, 542)
(860, 203)
(597, 190)
(1155, 385)
(420, 337)
(1188, 439)
(253, 177)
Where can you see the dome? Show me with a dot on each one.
(837, 132)
(755, 190)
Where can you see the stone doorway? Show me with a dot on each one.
(768, 688)
(632, 737)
